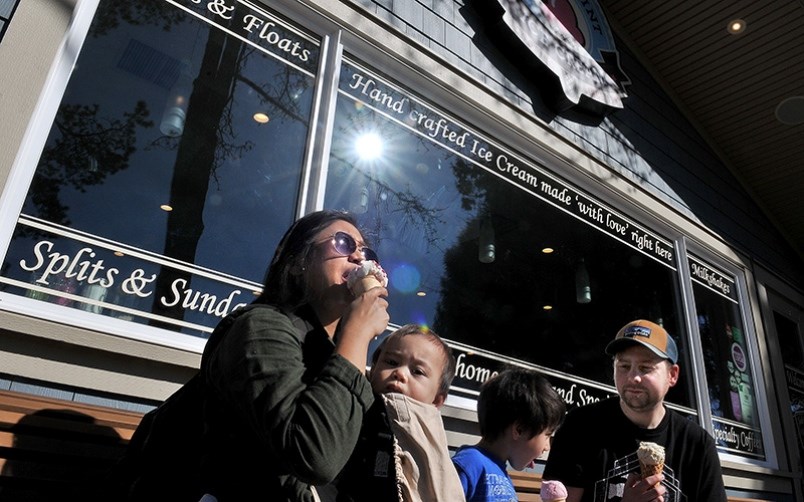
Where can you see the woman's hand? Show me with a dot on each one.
(365, 318)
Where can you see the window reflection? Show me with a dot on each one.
(473, 242)
(155, 152)
(791, 346)
(727, 360)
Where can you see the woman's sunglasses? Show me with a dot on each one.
(345, 244)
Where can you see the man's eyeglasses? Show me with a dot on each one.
(345, 244)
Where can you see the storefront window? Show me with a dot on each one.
(7, 8)
(173, 165)
(792, 349)
(727, 360)
(493, 252)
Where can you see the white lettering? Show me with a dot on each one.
(272, 37)
(471, 372)
(197, 301)
(594, 213)
(561, 196)
(642, 241)
(585, 398)
(506, 166)
(55, 263)
(712, 279)
(616, 226)
(482, 152)
(368, 88)
(567, 394)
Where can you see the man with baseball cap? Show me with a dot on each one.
(593, 452)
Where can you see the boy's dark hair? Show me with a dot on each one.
(414, 329)
(522, 396)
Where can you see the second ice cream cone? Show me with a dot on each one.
(651, 459)
(553, 491)
(648, 470)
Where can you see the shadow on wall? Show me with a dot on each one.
(56, 454)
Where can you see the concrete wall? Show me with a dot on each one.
(27, 51)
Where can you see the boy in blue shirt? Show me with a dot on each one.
(518, 410)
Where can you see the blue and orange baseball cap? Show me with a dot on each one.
(648, 334)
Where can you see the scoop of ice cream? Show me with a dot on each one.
(552, 491)
(368, 275)
(650, 453)
(651, 459)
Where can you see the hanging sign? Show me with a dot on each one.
(576, 49)
(586, 22)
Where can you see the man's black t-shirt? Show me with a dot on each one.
(595, 450)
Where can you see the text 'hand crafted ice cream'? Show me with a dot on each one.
(651, 458)
(553, 491)
(368, 275)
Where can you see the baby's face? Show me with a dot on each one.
(411, 365)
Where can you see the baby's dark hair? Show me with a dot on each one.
(518, 395)
(450, 364)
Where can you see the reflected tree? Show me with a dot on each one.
(497, 306)
(209, 139)
(382, 199)
(88, 148)
(89, 145)
(111, 14)
(196, 158)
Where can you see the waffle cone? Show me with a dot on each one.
(365, 284)
(650, 469)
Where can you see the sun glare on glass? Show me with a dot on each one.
(368, 146)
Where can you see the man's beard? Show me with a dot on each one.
(639, 402)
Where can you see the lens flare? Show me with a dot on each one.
(405, 278)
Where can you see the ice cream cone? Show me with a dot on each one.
(365, 284)
(368, 275)
(553, 491)
(651, 459)
(648, 470)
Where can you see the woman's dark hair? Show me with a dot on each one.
(284, 283)
(518, 395)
